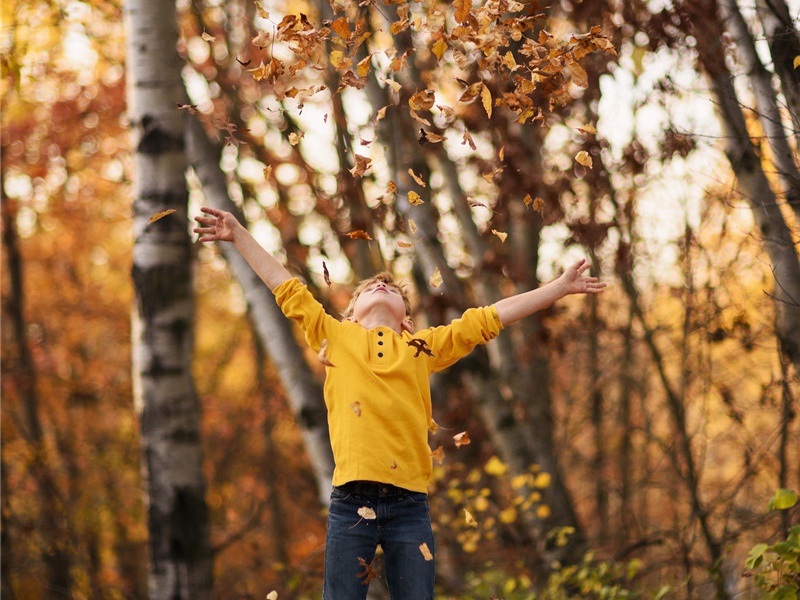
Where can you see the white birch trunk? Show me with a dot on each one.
(162, 328)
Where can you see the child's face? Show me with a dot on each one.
(384, 298)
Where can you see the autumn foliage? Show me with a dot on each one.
(466, 146)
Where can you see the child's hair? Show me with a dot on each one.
(384, 277)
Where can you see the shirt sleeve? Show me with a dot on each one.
(297, 303)
(451, 342)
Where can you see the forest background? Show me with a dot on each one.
(621, 445)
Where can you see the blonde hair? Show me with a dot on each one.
(384, 277)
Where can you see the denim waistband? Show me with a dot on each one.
(372, 488)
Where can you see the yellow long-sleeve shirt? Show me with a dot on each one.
(378, 392)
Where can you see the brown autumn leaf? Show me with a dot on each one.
(363, 66)
(359, 234)
(370, 570)
(190, 108)
(325, 274)
(489, 177)
(428, 136)
(422, 100)
(527, 200)
(207, 37)
(472, 92)
(260, 11)
(267, 172)
(402, 244)
(381, 115)
(417, 118)
(583, 158)
(438, 455)
(462, 10)
(476, 204)
(361, 166)
(588, 128)
(467, 139)
(538, 204)
(294, 138)
(322, 355)
(461, 439)
(160, 215)
(438, 48)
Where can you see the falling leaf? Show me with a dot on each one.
(486, 99)
(160, 215)
(462, 10)
(322, 355)
(428, 136)
(422, 100)
(359, 234)
(426, 553)
(438, 455)
(527, 200)
(439, 46)
(417, 118)
(325, 274)
(467, 139)
(583, 158)
(363, 66)
(294, 138)
(469, 519)
(416, 178)
(361, 166)
(365, 512)
(356, 408)
(433, 426)
(489, 177)
(412, 227)
(471, 92)
(797, 61)
(476, 204)
(190, 108)
(436, 278)
(393, 84)
(267, 172)
(273, 595)
(461, 439)
(414, 199)
(207, 37)
(260, 11)
(370, 570)
(538, 204)
(502, 235)
(587, 129)
(502, 153)
(381, 115)
(402, 244)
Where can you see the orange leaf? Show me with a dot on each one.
(439, 47)
(426, 552)
(502, 235)
(438, 455)
(486, 99)
(461, 439)
(462, 9)
(436, 278)
(160, 215)
(359, 234)
(416, 178)
(583, 158)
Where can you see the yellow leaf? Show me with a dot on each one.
(267, 172)
(486, 98)
(426, 552)
(160, 215)
(502, 235)
(363, 66)
(365, 512)
(208, 37)
(414, 198)
(587, 129)
(438, 455)
(469, 519)
(336, 58)
(393, 84)
(402, 244)
(439, 47)
(412, 227)
(583, 158)
(797, 61)
(435, 278)
(294, 138)
(264, 15)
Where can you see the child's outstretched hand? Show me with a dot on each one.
(220, 226)
(574, 281)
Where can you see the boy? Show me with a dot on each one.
(379, 408)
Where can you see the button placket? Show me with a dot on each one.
(380, 343)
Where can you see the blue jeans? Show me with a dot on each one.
(402, 525)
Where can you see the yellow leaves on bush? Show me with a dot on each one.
(507, 515)
(543, 511)
(542, 480)
(495, 466)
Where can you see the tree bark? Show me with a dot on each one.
(162, 327)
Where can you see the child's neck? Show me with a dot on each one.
(380, 318)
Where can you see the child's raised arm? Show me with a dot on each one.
(221, 226)
(571, 281)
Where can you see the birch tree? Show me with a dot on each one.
(162, 327)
